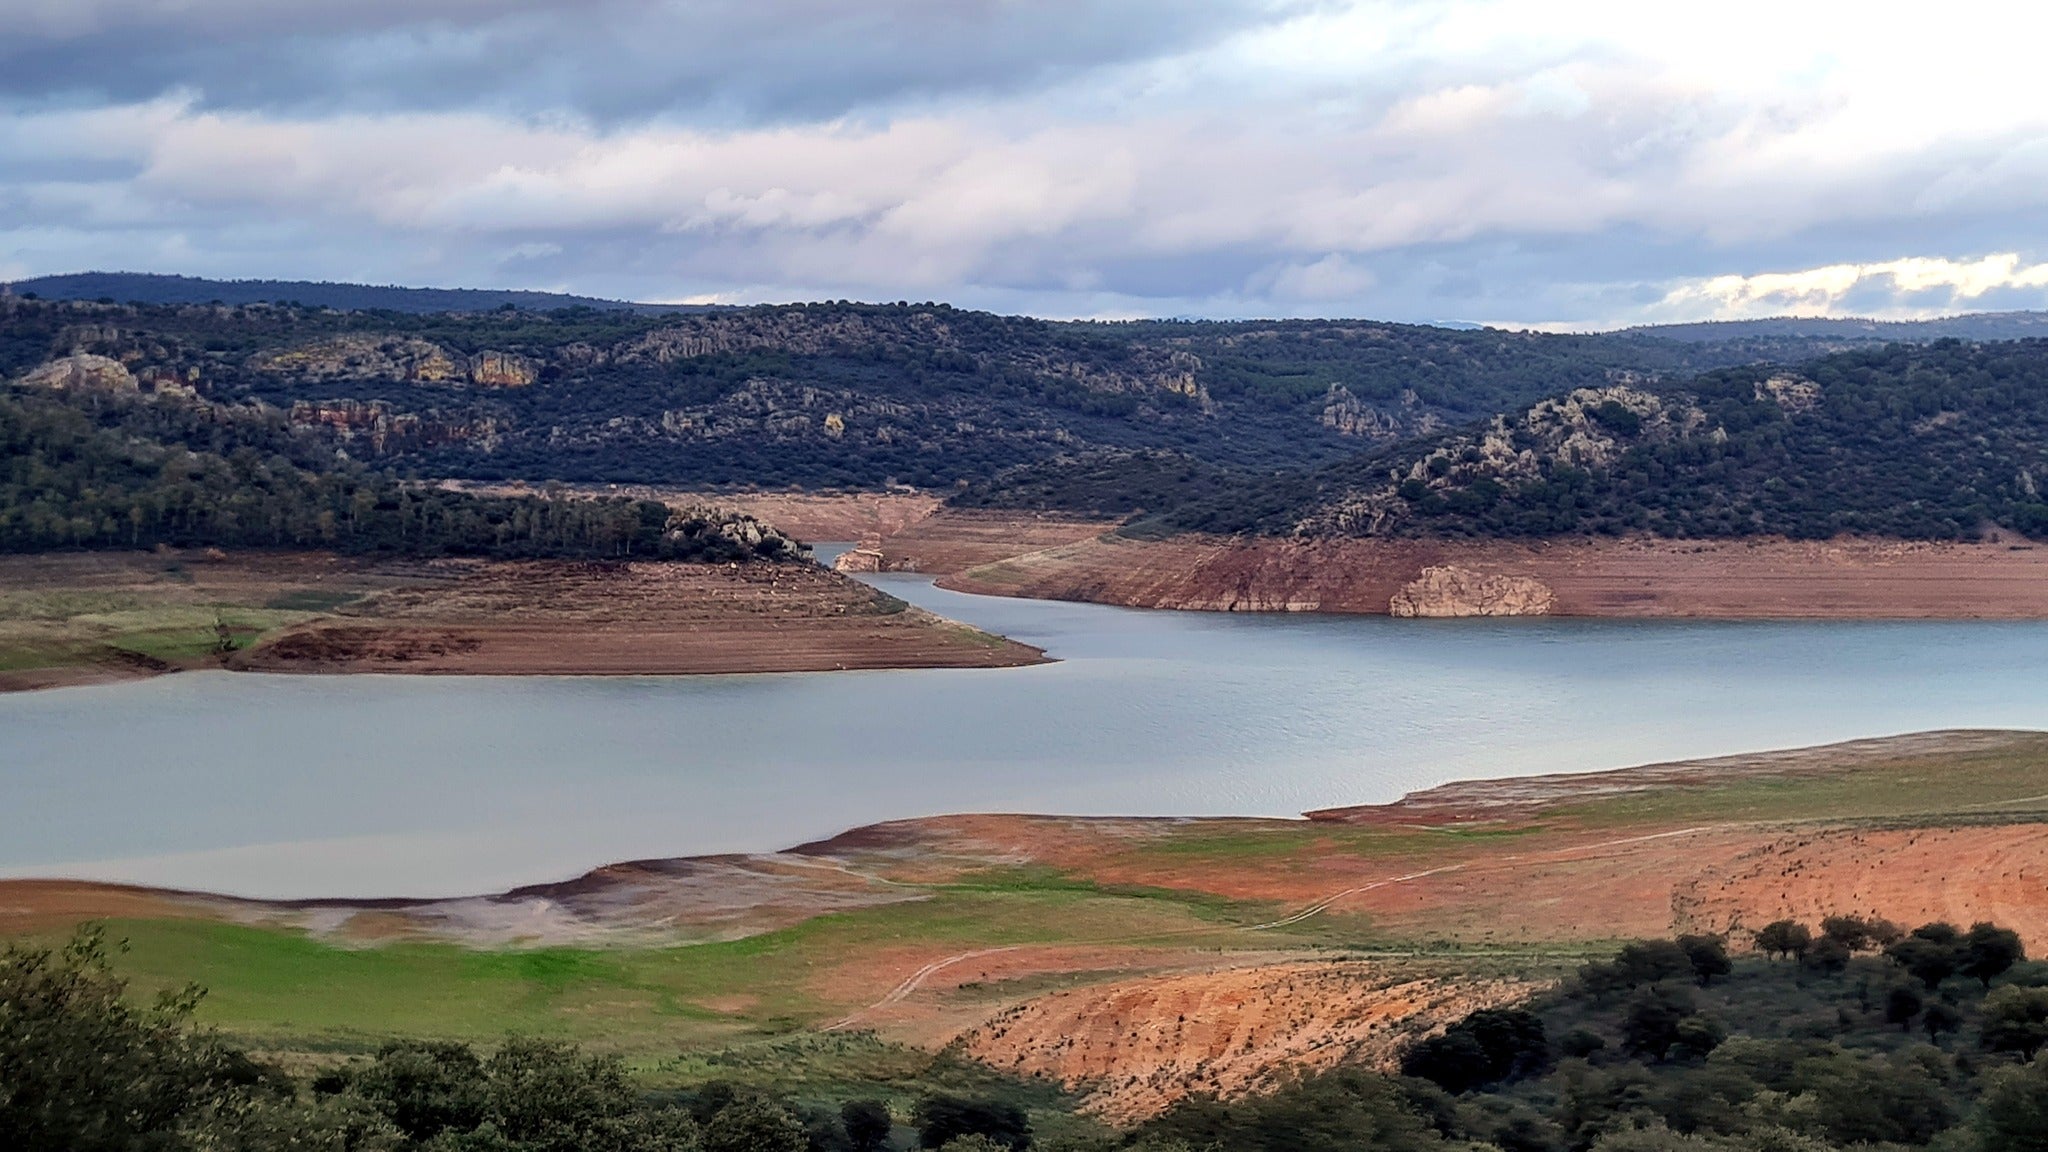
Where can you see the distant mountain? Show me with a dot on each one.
(148, 288)
(1970, 326)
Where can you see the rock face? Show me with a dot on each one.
(502, 370)
(360, 357)
(863, 559)
(1448, 591)
(83, 372)
(385, 429)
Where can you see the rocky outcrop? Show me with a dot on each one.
(862, 559)
(385, 429)
(83, 372)
(1448, 591)
(502, 370)
(1792, 393)
(1587, 429)
(361, 357)
(1347, 415)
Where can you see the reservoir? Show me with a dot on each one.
(289, 786)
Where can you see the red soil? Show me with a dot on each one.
(1140, 1045)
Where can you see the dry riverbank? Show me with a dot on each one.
(1748, 579)
(83, 618)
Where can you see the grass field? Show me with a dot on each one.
(281, 988)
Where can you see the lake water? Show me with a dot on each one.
(359, 786)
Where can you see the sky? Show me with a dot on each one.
(1559, 164)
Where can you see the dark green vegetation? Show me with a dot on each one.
(1939, 441)
(835, 395)
(85, 469)
(127, 287)
(1324, 427)
(84, 1069)
(1849, 1039)
(1971, 326)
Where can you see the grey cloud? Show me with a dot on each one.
(725, 61)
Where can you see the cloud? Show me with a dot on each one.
(1576, 164)
(1900, 289)
(605, 61)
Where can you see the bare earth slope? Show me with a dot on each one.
(82, 618)
(1578, 577)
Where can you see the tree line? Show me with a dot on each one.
(97, 471)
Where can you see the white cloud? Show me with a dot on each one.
(1910, 287)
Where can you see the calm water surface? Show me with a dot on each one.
(329, 786)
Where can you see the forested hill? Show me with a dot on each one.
(149, 288)
(89, 467)
(1918, 442)
(832, 395)
(1970, 326)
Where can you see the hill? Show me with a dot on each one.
(1933, 442)
(1969, 326)
(149, 288)
(832, 395)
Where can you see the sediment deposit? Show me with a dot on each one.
(1739, 579)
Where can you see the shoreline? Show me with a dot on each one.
(1760, 579)
(79, 619)
(630, 899)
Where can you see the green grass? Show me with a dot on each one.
(313, 600)
(46, 631)
(1936, 786)
(280, 987)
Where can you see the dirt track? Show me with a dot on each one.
(1620, 578)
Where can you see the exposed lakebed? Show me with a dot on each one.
(291, 786)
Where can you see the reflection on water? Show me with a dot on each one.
(276, 785)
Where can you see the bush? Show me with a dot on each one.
(942, 1119)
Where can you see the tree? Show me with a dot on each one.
(1649, 1025)
(1486, 1047)
(1901, 1004)
(1849, 931)
(1929, 958)
(424, 1088)
(1708, 956)
(1784, 938)
(753, 1125)
(1648, 961)
(83, 1069)
(942, 1118)
(1827, 955)
(2016, 1020)
(2012, 1115)
(1940, 1017)
(867, 1124)
(1698, 1035)
(1989, 951)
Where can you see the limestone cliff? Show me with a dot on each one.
(384, 429)
(372, 357)
(83, 371)
(1446, 591)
